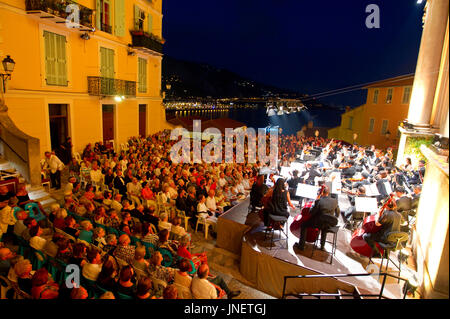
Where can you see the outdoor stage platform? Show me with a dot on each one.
(243, 234)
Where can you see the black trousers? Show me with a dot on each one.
(371, 239)
(55, 179)
(304, 233)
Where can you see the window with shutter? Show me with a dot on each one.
(107, 63)
(371, 125)
(384, 127)
(150, 23)
(55, 59)
(119, 15)
(389, 95)
(142, 75)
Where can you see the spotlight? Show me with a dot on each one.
(117, 99)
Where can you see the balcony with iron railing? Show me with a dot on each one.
(55, 10)
(146, 41)
(100, 86)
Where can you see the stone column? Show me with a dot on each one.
(428, 64)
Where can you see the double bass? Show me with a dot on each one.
(305, 214)
(357, 242)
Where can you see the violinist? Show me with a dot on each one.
(324, 215)
(310, 174)
(389, 222)
(419, 174)
(403, 202)
(349, 171)
(292, 182)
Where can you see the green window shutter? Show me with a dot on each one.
(119, 18)
(142, 75)
(103, 62)
(98, 22)
(61, 65)
(107, 63)
(55, 59)
(136, 17)
(150, 23)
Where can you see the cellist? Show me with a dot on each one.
(388, 222)
(321, 217)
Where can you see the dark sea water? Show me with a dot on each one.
(291, 123)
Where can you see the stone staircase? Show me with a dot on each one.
(37, 193)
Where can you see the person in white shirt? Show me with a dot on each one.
(211, 202)
(163, 222)
(222, 181)
(93, 267)
(54, 166)
(36, 241)
(201, 288)
(205, 286)
(96, 174)
(134, 191)
(203, 212)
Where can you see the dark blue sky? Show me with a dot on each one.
(308, 46)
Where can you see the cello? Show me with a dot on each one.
(305, 214)
(357, 242)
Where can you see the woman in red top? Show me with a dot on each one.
(43, 288)
(146, 192)
(197, 259)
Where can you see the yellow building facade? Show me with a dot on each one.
(376, 122)
(97, 78)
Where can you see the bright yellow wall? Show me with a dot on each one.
(28, 95)
(395, 112)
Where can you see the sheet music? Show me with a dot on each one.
(366, 204)
(307, 191)
(388, 187)
(270, 183)
(297, 166)
(285, 171)
(372, 190)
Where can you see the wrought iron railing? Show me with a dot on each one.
(58, 8)
(358, 295)
(100, 86)
(146, 40)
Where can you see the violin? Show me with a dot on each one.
(357, 242)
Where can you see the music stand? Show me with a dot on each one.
(307, 191)
(366, 205)
(286, 171)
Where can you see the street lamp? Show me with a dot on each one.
(8, 67)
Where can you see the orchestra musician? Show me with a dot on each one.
(403, 202)
(324, 215)
(310, 174)
(350, 214)
(419, 174)
(389, 221)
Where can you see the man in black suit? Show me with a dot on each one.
(403, 202)
(119, 183)
(324, 215)
(310, 174)
(350, 171)
(389, 221)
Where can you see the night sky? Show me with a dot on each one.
(308, 46)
